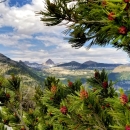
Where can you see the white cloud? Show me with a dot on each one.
(24, 18)
(12, 39)
(25, 23)
(109, 55)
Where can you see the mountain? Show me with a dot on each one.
(49, 62)
(34, 65)
(88, 65)
(122, 75)
(6, 60)
(96, 65)
(122, 68)
(72, 64)
(8, 67)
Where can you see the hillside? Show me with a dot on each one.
(122, 75)
(8, 67)
(121, 68)
(96, 65)
(49, 62)
(72, 64)
(88, 65)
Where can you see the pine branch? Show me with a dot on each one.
(93, 22)
(101, 126)
(20, 113)
(21, 119)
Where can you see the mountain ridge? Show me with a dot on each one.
(49, 62)
(88, 65)
(18, 68)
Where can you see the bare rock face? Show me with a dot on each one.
(49, 62)
(122, 68)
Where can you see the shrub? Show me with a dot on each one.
(57, 106)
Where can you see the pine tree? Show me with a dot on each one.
(101, 22)
(14, 112)
(72, 106)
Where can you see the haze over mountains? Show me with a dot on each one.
(72, 65)
(88, 65)
(70, 70)
(69, 65)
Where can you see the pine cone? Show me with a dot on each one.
(53, 89)
(126, 1)
(83, 94)
(105, 84)
(70, 84)
(96, 75)
(124, 99)
(123, 30)
(111, 16)
(127, 127)
(64, 110)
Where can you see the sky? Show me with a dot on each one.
(24, 37)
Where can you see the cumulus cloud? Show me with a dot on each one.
(109, 55)
(26, 24)
(24, 18)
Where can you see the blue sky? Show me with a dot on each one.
(24, 37)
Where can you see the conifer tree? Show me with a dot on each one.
(14, 112)
(72, 106)
(101, 22)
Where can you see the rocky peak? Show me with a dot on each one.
(49, 62)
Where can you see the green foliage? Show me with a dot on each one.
(99, 22)
(71, 106)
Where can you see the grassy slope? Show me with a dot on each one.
(8, 67)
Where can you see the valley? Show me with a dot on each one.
(34, 74)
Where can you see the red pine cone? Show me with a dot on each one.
(63, 110)
(103, 107)
(53, 89)
(7, 95)
(124, 99)
(22, 129)
(122, 30)
(6, 122)
(126, 1)
(96, 75)
(105, 84)
(107, 105)
(111, 16)
(70, 84)
(83, 94)
(127, 127)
